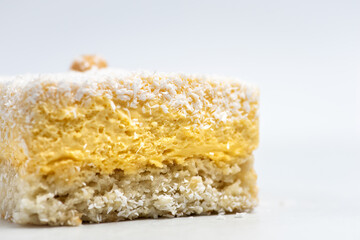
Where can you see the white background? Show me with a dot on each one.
(305, 57)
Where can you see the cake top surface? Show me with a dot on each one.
(96, 75)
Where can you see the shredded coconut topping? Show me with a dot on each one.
(191, 94)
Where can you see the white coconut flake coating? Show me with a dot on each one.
(222, 99)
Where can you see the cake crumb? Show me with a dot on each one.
(240, 215)
(87, 62)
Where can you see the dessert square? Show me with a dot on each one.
(108, 145)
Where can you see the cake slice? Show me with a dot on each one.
(108, 145)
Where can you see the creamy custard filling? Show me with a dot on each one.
(131, 140)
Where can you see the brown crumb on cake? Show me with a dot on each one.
(87, 62)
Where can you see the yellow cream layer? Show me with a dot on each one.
(110, 133)
(112, 140)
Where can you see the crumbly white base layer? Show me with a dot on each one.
(199, 187)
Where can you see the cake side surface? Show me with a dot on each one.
(10, 193)
(73, 141)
